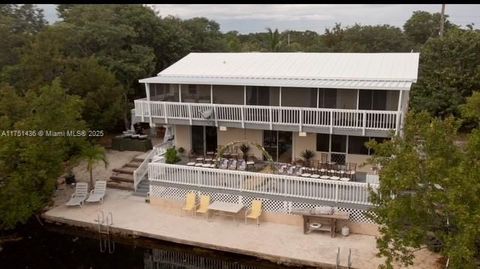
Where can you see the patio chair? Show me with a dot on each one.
(204, 203)
(190, 202)
(80, 195)
(224, 164)
(255, 212)
(98, 193)
(242, 166)
(233, 165)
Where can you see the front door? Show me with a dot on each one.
(204, 139)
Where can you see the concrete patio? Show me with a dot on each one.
(276, 242)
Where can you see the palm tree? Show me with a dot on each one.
(93, 154)
(273, 40)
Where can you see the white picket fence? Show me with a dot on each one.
(298, 116)
(261, 183)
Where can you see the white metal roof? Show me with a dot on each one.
(327, 70)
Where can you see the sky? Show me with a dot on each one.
(255, 18)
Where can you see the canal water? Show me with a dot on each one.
(51, 246)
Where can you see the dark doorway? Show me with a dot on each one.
(279, 145)
(204, 139)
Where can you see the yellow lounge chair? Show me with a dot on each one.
(254, 212)
(190, 203)
(204, 203)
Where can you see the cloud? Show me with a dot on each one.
(252, 18)
(246, 18)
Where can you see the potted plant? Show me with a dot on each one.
(171, 156)
(308, 155)
(244, 148)
(181, 151)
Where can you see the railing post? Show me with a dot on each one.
(364, 124)
(216, 114)
(271, 119)
(143, 114)
(331, 121)
(242, 110)
(336, 193)
(398, 117)
(165, 112)
(190, 113)
(301, 120)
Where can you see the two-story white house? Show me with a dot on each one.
(288, 102)
(329, 103)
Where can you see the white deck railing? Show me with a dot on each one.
(270, 184)
(298, 116)
(142, 170)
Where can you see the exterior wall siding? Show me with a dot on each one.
(183, 137)
(235, 134)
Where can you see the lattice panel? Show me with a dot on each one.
(269, 205)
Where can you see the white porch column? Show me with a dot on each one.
(358, 98)
(147, 89)
(280, 97)
(211, 94)
(245, 95)
(399, 112)
(318, 97)
(180, 93)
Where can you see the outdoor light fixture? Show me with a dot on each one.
(223, 128)
(302, 134)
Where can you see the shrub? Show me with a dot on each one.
(171, 156)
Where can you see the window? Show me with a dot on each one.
(339, 143)
(356, 145)
(323, 142)
(327, 98)
(372, 100)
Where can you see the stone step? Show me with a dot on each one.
(124, 170)
(133, 164)
(120, 186)
(122, 178)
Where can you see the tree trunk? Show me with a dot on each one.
(91, 178)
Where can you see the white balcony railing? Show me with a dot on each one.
(261, 183)
(271, 115)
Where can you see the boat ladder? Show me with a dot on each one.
(104, 236)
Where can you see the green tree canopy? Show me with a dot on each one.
(30, 165)
(448, 73)
(423, 25)
(428, 194)
(360, 38)
(18, 23)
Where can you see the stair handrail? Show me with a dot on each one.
(142, 170)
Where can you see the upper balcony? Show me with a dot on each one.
(334, 111)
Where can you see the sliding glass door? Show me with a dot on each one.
(279, 145)
(204, 139)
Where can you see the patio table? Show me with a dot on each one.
(315, 176)
(191, 164)
(305, 175)
(200, 159)
(231, 209)
(334, 178)
(198, 164)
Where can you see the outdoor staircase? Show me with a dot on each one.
(143, 188)
(122, 178)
